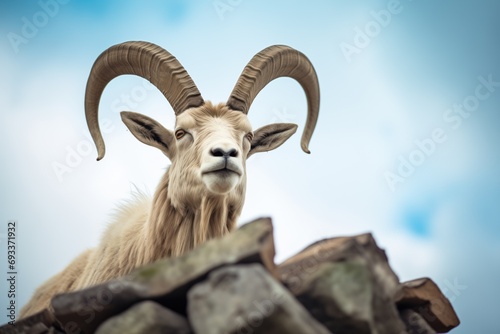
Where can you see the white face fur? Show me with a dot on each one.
(221, 141)
(208, 147)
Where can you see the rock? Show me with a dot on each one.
(347, 284)
(39, 328)
(146, 318)
(35, 324)
(424, 296)
(415, 323)
(247, 299)
(295, 269)
(166, 281)
(231, 286)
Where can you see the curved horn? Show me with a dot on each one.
(271, 63)
(146, 60)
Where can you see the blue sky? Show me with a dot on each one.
(390, 110)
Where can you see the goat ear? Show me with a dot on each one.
(271, 136)
(149, 132)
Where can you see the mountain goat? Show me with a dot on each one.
(202, 192)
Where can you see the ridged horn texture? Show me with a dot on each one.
(146, 60)
(271, 63)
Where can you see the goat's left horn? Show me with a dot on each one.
(271, 63)
(146, 60)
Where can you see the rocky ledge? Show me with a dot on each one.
(232, 285)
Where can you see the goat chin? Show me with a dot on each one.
(221, 182)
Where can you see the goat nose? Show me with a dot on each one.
(219, 152)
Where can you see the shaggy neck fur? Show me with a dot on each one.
(174, 231)
(158, 230)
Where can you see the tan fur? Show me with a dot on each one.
(181, 215)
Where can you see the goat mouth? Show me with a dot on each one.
(222, 168)
(223, 172)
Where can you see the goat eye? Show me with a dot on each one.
(249, 136)
(179, 133)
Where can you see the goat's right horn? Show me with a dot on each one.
(271, 63)
(146, 60)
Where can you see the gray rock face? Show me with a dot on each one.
(246, 299)
(146, 318)
(347, 284)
